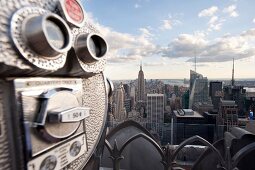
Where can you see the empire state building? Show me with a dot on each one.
(141, 86)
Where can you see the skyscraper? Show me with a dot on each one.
(233, 73)
(215, 92)
(127, 90)
(155, 112)
(199, 89)
(185, 100)
(141, 86)
(132, 95)
(193, 76)
(120, 111)
(236, 93)
(228, 114)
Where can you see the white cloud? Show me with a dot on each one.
(125, 47)
(253, 20)
(185, 45)
(154, 64)
(231, 11)
(213, 20)
(217, 50)
(249, 34)
(208, 12)
(168, 24)
(145, 32)
(215, 23)
(137, 6)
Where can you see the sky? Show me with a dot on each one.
(166, 35)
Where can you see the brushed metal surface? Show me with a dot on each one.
(90, 93)
(5, 156)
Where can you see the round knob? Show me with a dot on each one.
(61, 101)
(60, 114)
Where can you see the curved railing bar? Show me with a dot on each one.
(141, 135)
(108, 146)
(205, 142)
(242, 152)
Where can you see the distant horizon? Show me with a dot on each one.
(238, 79)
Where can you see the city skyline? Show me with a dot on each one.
(167, 35)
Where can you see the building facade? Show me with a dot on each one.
(155, 112)
(199, 89)
(120, 111)
(228, 114)
(237, 94)
(193, 76)
(215, 93)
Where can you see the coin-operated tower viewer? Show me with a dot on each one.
(53, 93)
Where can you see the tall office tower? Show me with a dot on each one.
(185, 100)
(132, 95)
(193, 76)
(176, 90)
(127, 90)
(199, 90)
(127, 105)
(155, 112)
(233, 73)
(120, 111)
(141, 86)
(215, 92)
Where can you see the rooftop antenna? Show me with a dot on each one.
(233, 73)
(141, 65)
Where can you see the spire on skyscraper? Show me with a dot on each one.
(141, 66)
(233, 73)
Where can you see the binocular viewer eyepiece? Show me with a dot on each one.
(48, 35)
(44, 39)
(90, 47)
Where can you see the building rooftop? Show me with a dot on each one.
(250, 92)
(155, 94)
(228, 103)
(179, 114)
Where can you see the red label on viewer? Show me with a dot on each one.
(74, 10)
